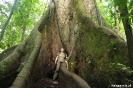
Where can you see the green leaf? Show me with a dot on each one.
(112, 42)
(120, 3)
(130, 21)
(124, 68)
(131, 4)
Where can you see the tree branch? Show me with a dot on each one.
(8, 20)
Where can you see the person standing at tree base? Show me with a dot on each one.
(61, 57)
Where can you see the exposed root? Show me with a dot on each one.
(7, 52)
(70, 80)
(22, 78)
(11, 63)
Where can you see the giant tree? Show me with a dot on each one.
(96, 53)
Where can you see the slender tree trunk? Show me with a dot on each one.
(8, 20)
(23, 33)
(116, 18)
(98, 13)
(23, 25)
(128, 32)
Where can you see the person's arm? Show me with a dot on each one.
(56, 59)
(66, 61)
(66, 58)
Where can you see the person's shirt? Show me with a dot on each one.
(62, 57)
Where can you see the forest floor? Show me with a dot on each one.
(47, 83)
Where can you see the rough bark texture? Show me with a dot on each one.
(94, 51)
(7, 52)
(22, 78)
(116, 18)
(23, 33)
(70, 80)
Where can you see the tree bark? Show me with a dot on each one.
(7, 52)
(98, 14)
(8, 20)
(70, 80)
(128, 32)
(23, 26)
(116, 18)
(22, 78)
(11, 63)
(23, 33)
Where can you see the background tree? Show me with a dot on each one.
(22, 21)
(8, 20)
(127, 26)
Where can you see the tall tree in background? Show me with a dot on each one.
(23, 26)
(8, 20)
(128, 32)
(116, 18)
(127, 26)
(22, 21)
(96, 54)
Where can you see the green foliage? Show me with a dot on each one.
(131, 12)
(123, 67)
(88, 60)
(18, 70)
(112, 42)
(120, 3)
(72, 64)
(106, 9)
(26, 15)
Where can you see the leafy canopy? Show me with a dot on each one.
(25, 16)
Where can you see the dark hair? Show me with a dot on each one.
(65, 51)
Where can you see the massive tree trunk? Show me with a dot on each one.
(94, 51)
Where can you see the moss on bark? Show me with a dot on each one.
(70, 80)
(7, 52)
(23, 77)
(100, 51)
